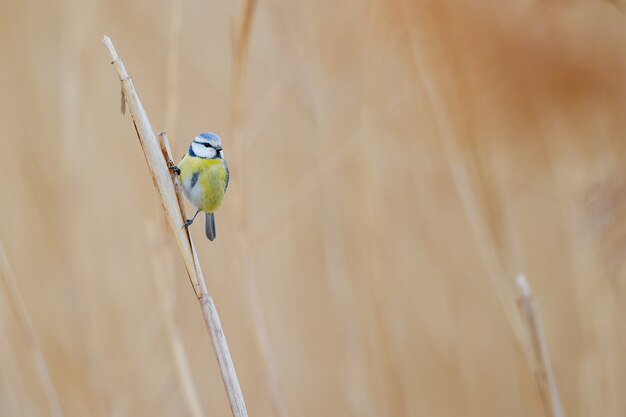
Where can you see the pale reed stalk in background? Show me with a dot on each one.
(240, 54)
(532, 345)
(241, 43)
(327, 167)
(486, 245)
(358, 375)
(171, 109)
(25, 323)
(467, 195)
(162, 179)
(381, 334)
(544, 375)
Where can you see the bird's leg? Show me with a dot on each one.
(189, 221)
(173, 167)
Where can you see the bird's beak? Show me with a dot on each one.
(218, 148)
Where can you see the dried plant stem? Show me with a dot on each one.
(239, 60)
(267, 352)
(25, 323)
(537, 351)
(467, 194)
(544, 375)
(240, 52)
(176, 23)
(161, 176)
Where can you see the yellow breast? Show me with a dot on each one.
(204, 181)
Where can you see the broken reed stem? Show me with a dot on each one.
(544, 375)
(161, 176)
(23, 318)
(164, 144)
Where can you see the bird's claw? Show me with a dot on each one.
(187, 223)
(173, 168)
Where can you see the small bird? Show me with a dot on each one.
(204, 175)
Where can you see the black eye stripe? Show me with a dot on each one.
(217, 148)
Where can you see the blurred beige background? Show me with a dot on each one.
(395, 165)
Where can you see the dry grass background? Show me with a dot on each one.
(395, 164)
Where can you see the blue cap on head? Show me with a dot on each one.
(210, 136)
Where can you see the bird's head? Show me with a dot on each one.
(207, 145)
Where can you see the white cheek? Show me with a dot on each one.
(202, 151)
(222, 154)
(197, 149)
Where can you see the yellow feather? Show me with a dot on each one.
(207, 191)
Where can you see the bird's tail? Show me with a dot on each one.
(209, 225)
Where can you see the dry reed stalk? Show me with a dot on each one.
(324, 169)
(161, 176)
(529, 308)
(240, 53)
(390, 367)
(461, 177)
(460, 171)
(23, 318)
(176, 23)
(358, 389)
(533, 346)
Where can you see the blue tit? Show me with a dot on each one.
(204, 175)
